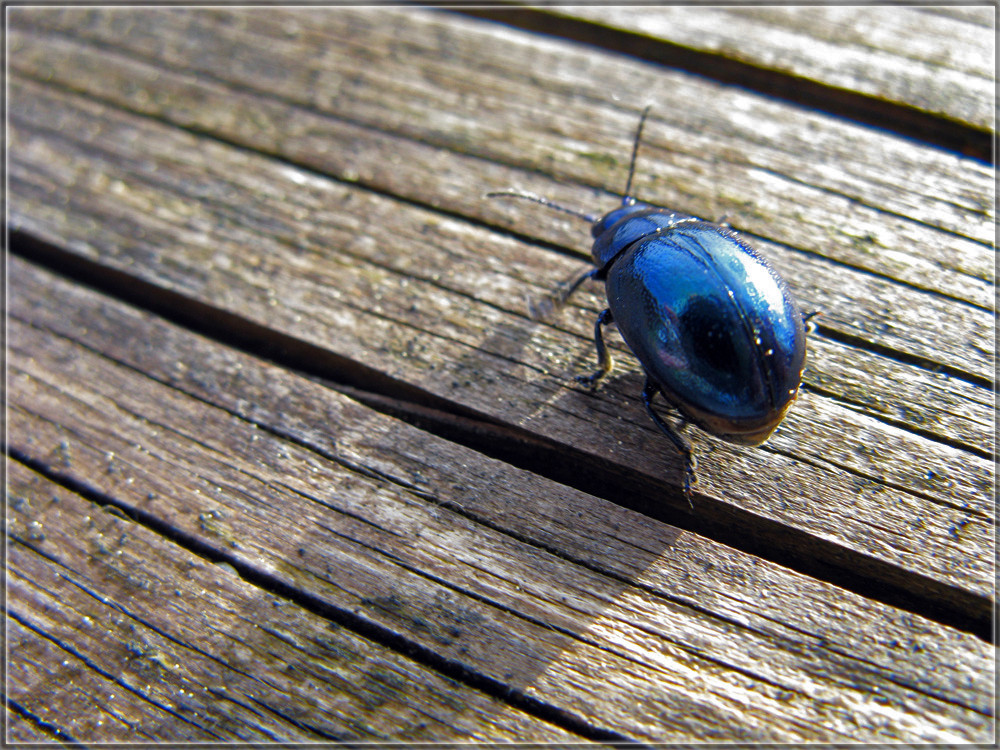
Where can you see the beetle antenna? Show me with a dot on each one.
(627, 198)
(543, 201)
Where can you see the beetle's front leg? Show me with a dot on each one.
(604, 360)
(549, 305)
(648, 392)
(568, 287)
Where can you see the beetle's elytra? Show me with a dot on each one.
(715, 329)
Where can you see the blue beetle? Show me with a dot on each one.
(714, 327)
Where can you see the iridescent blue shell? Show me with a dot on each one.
(709, 320)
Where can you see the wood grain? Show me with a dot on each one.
(235, 227)
(906, 55)
(463, 556)
(160, 644)
(447, 316)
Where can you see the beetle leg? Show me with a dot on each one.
(604, 360)
(546, 307)
(648, 392)
(807, 318)
(568, 287)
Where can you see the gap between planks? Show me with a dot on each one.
(867, 109)
(520, 448)
(208, 366)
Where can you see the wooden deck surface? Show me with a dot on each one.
(290, 459)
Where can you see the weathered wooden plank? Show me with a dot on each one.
(412, 177)
(23, 727)
(891, 254)
(67, 690)
(982, 16)
(434, 304)
(944, 404)
(775, 170)
(640, 628)
(119, 635)
(943, 65)
(438, 303)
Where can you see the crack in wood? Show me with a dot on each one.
(924, 363)
(304, 725)
(145, 623)
(827, 560)
(46, 726)
(955, 443)
(107, 675)
(908, 121)
(358, 624)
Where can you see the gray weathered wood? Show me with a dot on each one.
(306, 184)
(440, 304)
(479, 562)
(23, 727)
(160, 644)
(909, 55)
(721, 154)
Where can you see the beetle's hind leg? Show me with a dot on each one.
(648, 392)
(604, 360)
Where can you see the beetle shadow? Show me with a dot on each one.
(558, 428)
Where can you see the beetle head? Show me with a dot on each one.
(629, 206)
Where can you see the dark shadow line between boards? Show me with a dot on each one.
(871, 111)
(356, 623)
(724, 524)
